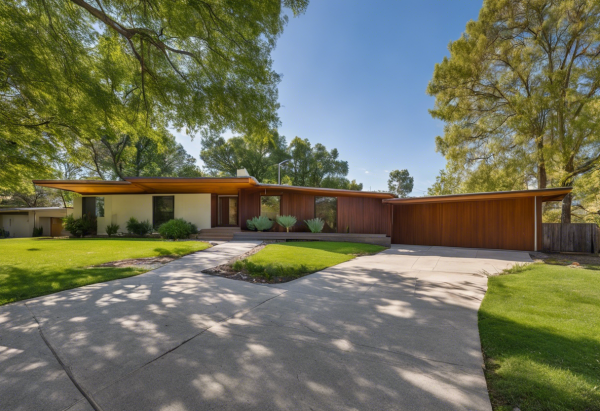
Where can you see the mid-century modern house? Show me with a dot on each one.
(20, 221)
(502, 220)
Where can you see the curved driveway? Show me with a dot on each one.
(394, 331)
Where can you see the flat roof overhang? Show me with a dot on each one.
(545, 194)
(175, 185)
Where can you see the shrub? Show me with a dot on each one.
(78, 227)
(37, 231)
(140, 228)
(250, 225)
(4, 233)
(286, 221)
(112, 229)
(262, 223)
(315, 225)
(176, 229)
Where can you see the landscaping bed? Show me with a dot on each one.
(278, 263)
(31, 267)
(540, 336)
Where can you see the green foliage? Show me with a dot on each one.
(112, 229)
(261, 223)
(257, 153)
(292, 260)
(540, 335)
(401, 183)
(315, 225)
(30, 267)
(519, 98)
(250, 225)
(286, 221)
(74, 73)
(79, 227)
(37, 231)
(140, 228)
(4, 233)
(177, 229)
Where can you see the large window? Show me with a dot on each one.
(163, 209)
(92, 206)
(326, 210)
(270, 206)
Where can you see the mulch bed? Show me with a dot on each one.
(150, 263)
(571, 260)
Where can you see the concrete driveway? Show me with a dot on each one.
(395, 331)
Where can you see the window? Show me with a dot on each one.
(88, 206)
(270, 206)
(99, 206)
(163, 209)
(326, 210)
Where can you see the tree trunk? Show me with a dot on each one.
(542, 177)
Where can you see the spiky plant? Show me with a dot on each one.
(262, 223)
(286, 221)
(315, 225)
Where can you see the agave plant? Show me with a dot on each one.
(315, 225)
(261, 223)
(286, 221)
(250, 225)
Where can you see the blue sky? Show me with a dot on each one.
(354, 78)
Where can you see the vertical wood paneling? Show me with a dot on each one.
(499, 224)
(214, 212)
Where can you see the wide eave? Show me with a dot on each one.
(214, 185)
(546, 194)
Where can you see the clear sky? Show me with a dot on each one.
(354, 78)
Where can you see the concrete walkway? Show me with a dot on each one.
(394, 331)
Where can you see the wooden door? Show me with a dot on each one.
(56, 227)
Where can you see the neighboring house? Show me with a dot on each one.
(506, 220)
(20, 221)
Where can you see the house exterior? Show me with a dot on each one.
(513, 219)
(20, 221)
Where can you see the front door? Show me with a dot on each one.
(228, 211)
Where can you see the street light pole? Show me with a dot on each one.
(279, 171)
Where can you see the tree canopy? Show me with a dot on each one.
(519, 96)
(74, 72)
(401, 183)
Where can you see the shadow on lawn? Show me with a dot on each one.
(18, 284)
(533, 355)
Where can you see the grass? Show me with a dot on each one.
(540, 335)
(295, 259)
(30, 267)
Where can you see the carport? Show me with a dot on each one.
(509, 220)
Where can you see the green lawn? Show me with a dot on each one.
(295, 259)
(30, 267)
(540, 334)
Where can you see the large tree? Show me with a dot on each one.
(315, 166)
(519, 95)
(401, 183)
(258, 153)
(73, 71)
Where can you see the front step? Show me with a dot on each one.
(218, 233)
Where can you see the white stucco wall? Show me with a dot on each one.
(17, 225)
(194, 208)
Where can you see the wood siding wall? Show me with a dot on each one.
(214, 211)
(498, 224)
(361, 215)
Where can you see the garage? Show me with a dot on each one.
(510, 220)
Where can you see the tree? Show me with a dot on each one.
(77, 71)
(400, 182)
(519, 95)
(315, 166)
(258, 153)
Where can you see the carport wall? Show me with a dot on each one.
(119, 208)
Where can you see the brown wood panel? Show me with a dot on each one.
(361, 215)
(214, 212)
(499, 224)
(56, 227)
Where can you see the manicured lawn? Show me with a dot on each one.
(30, 267)
(295, 259)
(540, 334)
